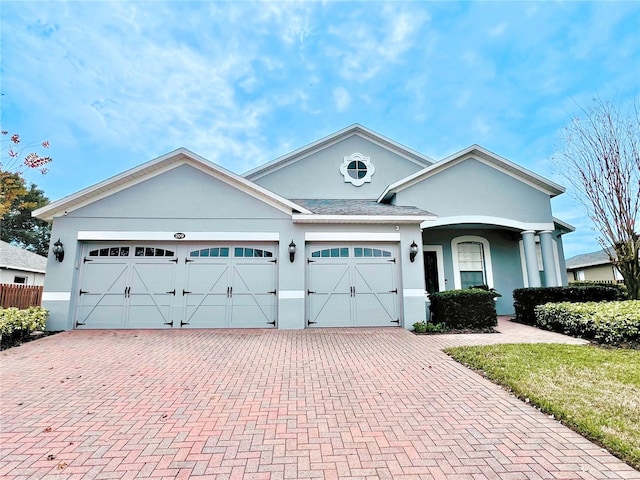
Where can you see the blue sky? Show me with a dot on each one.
(114, 84)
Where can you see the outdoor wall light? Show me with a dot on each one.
(413, 251)
(292, 251)
(58, 250)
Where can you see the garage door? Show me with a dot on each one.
(352, 285)
(177, 286)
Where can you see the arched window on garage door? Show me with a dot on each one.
(471, 257)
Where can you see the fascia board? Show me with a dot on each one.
(404, 219)
(21, 269)
(156, 167)
(332, 139)
(589, 264)
(567, 226)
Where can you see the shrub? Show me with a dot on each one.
(424, 327)
(15, 324)
(612, 323)
(623, 293)
(527, 299)
(472, 308)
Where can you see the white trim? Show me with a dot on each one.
(487, 220)
(21, 269)
(351, 237)
(440, 259)
(413, 292)
(56, 296)
(556, 259)
(523, 264)
(303, 218)
(290, 294)
(487, 258)
(188, 236)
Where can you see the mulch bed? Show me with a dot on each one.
(10, 341)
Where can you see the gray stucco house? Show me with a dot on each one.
(179, 242)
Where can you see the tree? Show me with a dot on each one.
(600, 157)
(13, 163)
(18, 227)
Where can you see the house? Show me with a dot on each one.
(594, 266)
(351, 230)
(20, 266)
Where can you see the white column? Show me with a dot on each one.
(530, 257)
(548, 260)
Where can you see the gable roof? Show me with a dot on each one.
(15, 258)
(355, 129)
(591, 259)
(486, 157)
(162, 164)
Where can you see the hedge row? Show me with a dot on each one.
(612, 323)
(527, 299)
(16, 324)
(461, 309)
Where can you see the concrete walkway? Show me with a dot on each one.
(257, 404)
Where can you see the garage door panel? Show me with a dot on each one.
(152, 277)
(253, 277)
(375, 309)
(329, 278)
(248, 313)
(209, 314)
(374, 277)
(102, 295)
(329, 310)
(101, 315)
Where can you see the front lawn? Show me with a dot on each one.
(595, 391)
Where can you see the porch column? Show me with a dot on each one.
(530, 257)
(548, 261)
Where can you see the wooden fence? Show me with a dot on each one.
(20, 296)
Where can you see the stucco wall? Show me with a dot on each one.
(318, 175)
(474, 188)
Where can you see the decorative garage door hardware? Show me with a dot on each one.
(134, 286)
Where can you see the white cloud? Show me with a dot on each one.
(341, 98)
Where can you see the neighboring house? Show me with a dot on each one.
(20, 266)
(594, 266)
(374, 226)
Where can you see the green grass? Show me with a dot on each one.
(595, 391)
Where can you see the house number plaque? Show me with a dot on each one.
(179, 236)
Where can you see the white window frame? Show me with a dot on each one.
(487, 258)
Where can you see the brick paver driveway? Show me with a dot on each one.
(335, 403)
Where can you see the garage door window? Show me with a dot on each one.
(331, 253)
(110, 252)
(153, 252)
(370, 252)
(210, 252)
(251, 252)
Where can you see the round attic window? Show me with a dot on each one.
(357, 169)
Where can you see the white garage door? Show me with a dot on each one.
(177, 286)
(352, 285)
